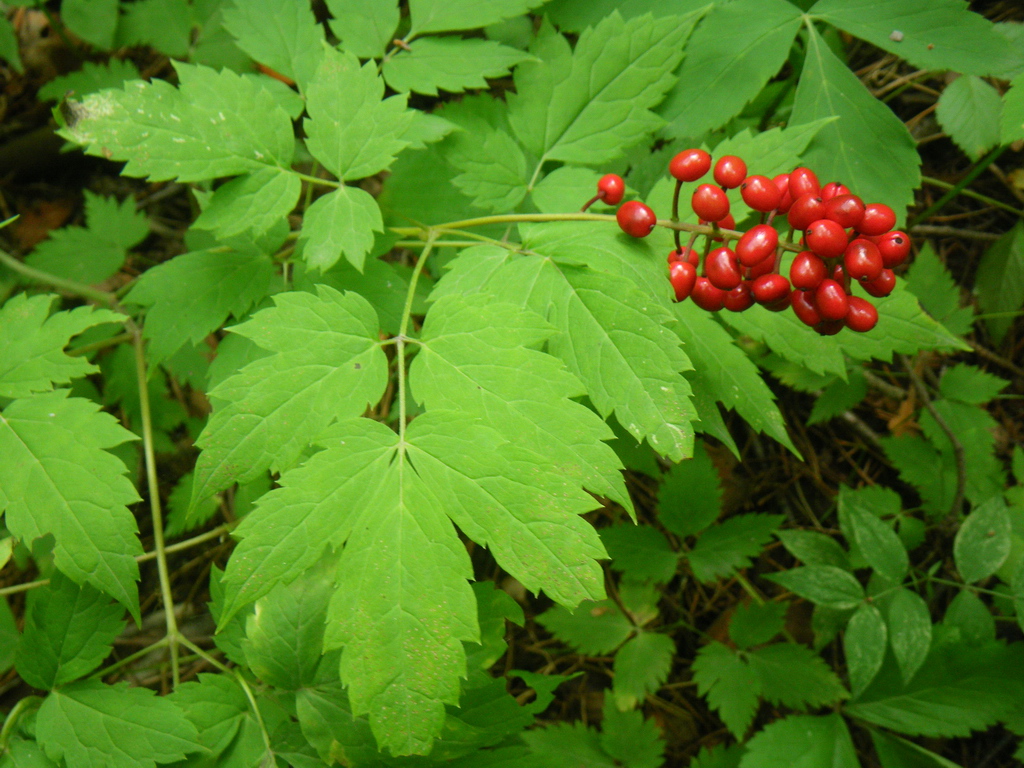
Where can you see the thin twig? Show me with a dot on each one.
(882, 385)
(937, 231)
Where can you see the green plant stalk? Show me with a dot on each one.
(11, 722)
(85, 291)
(401, 338)
(959, 187)
(153, 485)
(99, 673)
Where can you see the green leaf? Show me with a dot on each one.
(690, 496)
(9, 48)
(795, 676)
(969, 111)
(864, 646)
(340, 223)
(32, 357)
(640, 551)
(161, 24)
(495, 608)
(452, 64)
(729, 546)
(719, 756)
(999, 281)
(352, 129)
(631, 739)
(365, 27)
(384, 284)
(938, 293)
(789, 338)
(565, 188)
(868, 148)
(755, 624)
(192, 295)
(325, 364)
(177, 508)
(1012, 127)
(875, 539)
(95, 21)
(216, 705)
(593, 628)
(910, 631)
(448, 15)
(925, 468)
(724, 373)
(494, 172)
(983, 542)
(564, 744)
(823, 585)
(69, 631)
(971, 617)
(974, 428)
(935, 34)
(327, 722)
(590, 107)
(93, 253)
(282, 36)
(730, 685)
(969, 384)
(21, 753)
(736, 49)
(802, 741)
(477, 357)
(284, 636)
(839, 396)
(92, 77)
(57, 477)
(894, 752)
(251, 203)
(641, 667)
(959, 688)
(814, 548)
(214, 124)
(93, 725)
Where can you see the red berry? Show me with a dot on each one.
(807, 271)
(765, 267)
(722, 269)
(610, 188)
(829, 327)
(710, 203)
(760, 193)
(831, 300)
(730, 171)
(826, 238)
(894, 247)
(769, 289)
(636, 219)
(739, 298)
(803, 181)
(862, 260)
(781, 304)
(757, 244)
(690, 164)
(806, 209)
(845, 210)
(862, 315)
(882, 285)
(684, 254)
(683, 276)
(878, 219)
(706, 296)
(832, 189)
(782, 182)
(804, 309)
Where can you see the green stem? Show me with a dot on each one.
(317, 180)
(950, 583)
(959, 188)
(113, 341)
(11, 722)
(88, 292)
(401, 338)
(127, 659)
(153, 486)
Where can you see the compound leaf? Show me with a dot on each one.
(795, 676)
(869, 148)
(640, 551)
(938, 293)
(728, 547)
(214, 124)
(630, 738)
(594, 628)
(450, 64)
(999, 282)
(802, 741)
(641, 667)
(251, 203)
(876, 539)
(1012, 127)
(340, 223)
(690, 496)
(69, 631)
(969, 384)
(57, 477)
(864, 645)
(192, 295)
(352, 129)
(448, 15)
(365, 27)
(730, 685)
(325, 364)
(969, 110)
(93, 725)
(216, 705)
(910, 631)
(984, 540)
(823, 585)
(282, 36)
(32, 357)
(494, 172)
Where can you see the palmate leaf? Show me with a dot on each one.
(589, 107)
(736, 48)
(93, 725)
(57, 477)
(214, 124)
(283, 36)
(868, 148)
(327, 364)
(450, 64)
(191, 295)
(32, 357)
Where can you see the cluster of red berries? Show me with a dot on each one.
(842, 239)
